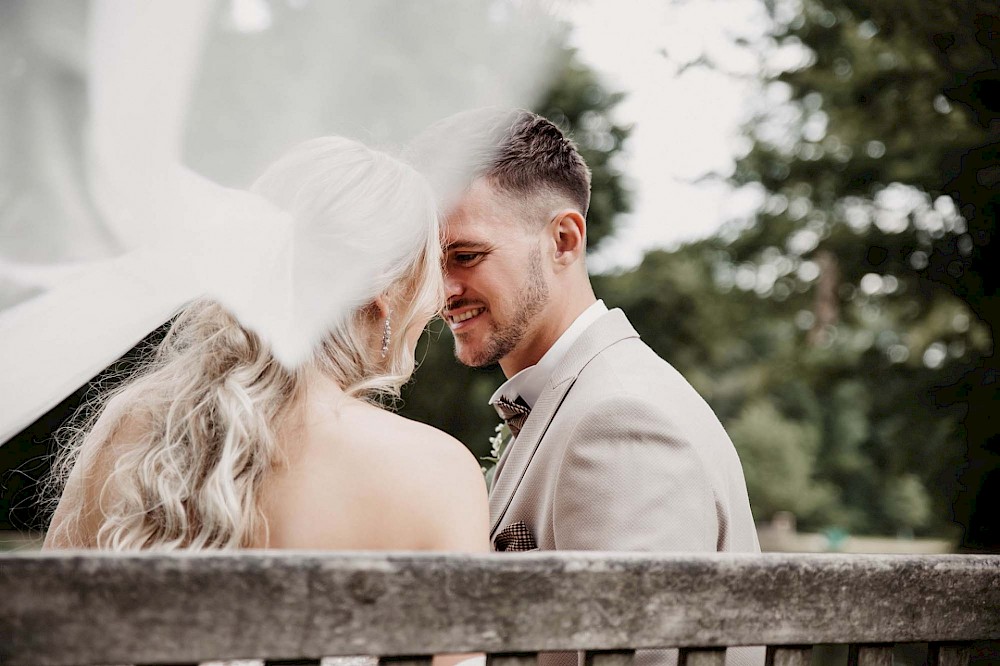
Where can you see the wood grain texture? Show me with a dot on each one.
(799, 655)
(948, 654)
(55, 608)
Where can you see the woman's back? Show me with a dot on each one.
(356, 477)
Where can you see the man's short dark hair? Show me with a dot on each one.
(516, 151)
(532, 154)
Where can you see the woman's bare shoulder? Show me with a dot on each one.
(367, 432)
(441, 477)
(417, 443)
(415, 457)
(418, 485)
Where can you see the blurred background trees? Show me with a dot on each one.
(877, 155)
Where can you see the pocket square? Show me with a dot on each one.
(515, 537)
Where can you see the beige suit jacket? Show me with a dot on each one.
(620, 453)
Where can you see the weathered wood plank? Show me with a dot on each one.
(792, 655)
(609, 657)
(870, 655)
(701, 657)
(948, 654)
(274, 604)
(512, 659)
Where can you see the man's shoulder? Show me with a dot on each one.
(628, 377)
(616, 376)
(612, 336)
(630, 367)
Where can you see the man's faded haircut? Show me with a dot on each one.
(532, 155)
(516, 151)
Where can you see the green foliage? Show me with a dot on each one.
(892, 100)
(779, 461)
(877, 156)
(906, 501)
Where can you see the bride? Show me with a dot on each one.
(216, 444)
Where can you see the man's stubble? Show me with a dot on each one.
(531, 300)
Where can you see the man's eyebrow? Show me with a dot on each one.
(467, 245)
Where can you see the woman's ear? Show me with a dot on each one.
(382, 304)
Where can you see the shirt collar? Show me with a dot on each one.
(530, 382)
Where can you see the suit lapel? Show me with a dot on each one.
(511, 468)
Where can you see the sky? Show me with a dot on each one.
(685, 123)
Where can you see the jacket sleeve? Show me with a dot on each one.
(631, 480)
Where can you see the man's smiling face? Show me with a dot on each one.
(495, 281)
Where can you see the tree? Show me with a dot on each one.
(885, 184)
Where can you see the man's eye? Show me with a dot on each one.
(467, 258)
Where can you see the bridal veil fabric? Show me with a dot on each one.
(171, 106)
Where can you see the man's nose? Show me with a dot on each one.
(452, 285)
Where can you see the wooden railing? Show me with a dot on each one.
(103, 608)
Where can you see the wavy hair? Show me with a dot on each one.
(180, 450)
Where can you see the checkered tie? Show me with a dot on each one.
(513, 412)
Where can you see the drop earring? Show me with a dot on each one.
(386, 334)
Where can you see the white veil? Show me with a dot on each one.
(181, 97)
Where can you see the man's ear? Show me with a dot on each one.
(569, 231)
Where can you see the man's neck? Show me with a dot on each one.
(551, 325)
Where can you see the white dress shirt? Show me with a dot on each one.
(529, 383)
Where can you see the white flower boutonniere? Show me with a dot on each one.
(498, 443)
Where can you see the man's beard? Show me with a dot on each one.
(531, 299)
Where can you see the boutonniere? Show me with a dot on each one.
(498, 444)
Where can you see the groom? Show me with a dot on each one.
(613, 449)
